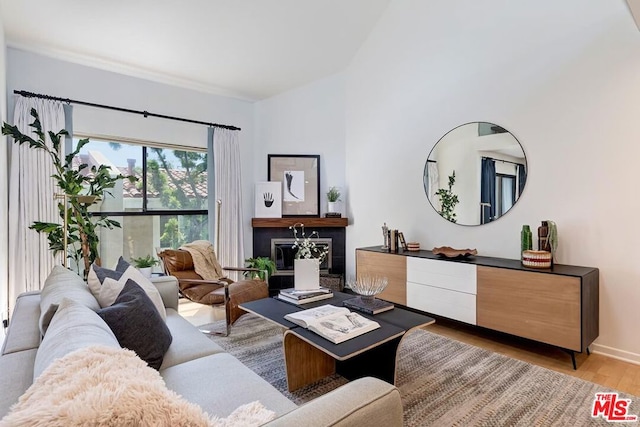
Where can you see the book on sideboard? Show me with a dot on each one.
(336, 324)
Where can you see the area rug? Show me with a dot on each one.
(443, 382)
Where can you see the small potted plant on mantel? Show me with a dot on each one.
(333, 197)
(145, 264)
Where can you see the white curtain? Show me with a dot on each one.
(31, 198)
(228, 189)
(434, 178)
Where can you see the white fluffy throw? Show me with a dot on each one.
(102, 386)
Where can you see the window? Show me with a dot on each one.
(165, 207)
(505, 193)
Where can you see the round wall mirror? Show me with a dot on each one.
(475, 173)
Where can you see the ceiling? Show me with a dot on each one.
(248, 49)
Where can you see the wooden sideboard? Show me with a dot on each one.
(558, 306)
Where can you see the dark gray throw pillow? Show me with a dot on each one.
(137, 324)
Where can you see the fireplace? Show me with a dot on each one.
(265, 230)
(283, 253)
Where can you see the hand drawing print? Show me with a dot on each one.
(293, 186)
(268, 199)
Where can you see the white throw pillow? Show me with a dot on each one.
(106, 285)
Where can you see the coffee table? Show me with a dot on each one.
(309, 357)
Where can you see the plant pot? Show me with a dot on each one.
(146, 271)
(332, 206)
(306, 274)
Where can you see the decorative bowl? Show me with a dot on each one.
(368, 286)
(450, 252)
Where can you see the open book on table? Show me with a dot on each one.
(337, 324)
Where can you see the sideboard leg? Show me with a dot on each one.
(573, 358)
(588, 352)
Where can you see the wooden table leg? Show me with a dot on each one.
(305, 363)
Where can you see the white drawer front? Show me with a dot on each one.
(442, 274)
(451, 304)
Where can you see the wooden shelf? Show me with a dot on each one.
(307, 221)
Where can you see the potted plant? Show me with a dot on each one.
(263, 264)
(448, 200)
(333, 197)
(80, 190)
(145, 264)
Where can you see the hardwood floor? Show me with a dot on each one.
(599, 369)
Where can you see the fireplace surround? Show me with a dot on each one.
(329, 229)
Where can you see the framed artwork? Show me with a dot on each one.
(268, 200)
(300, 178)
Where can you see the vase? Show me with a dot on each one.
(332, 206)
(146, 271)
(306, 274)
(526, 240)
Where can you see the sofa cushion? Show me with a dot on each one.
(17, 376)
(74, 326)
(188, 342)
(137, 324)
(106, 295)
(24, 331)
(220, 383)
(63, 283)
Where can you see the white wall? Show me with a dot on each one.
(563, 77)
(307, 120)
(4, 190)
(40, 74)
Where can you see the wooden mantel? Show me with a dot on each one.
(307, 221)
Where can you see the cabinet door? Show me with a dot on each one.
(391, 266)
(539, 306)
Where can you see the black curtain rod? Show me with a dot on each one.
(126, 110)
(503, 161)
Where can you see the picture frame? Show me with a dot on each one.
(268, 200)
(299, 175)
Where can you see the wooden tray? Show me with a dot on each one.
(450, 252)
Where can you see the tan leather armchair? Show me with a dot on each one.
(230, 294)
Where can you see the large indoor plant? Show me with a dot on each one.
(80, 189)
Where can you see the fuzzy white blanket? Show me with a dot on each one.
(102, 386)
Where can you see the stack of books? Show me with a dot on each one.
(304, 297)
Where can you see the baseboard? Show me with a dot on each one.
(615, 353)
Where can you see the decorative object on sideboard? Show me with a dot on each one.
(553, 239)
(300, 175)
(526, 243)
(543, 237)
(536, 259)
(499, 172)
(268, 199)
(333, 215)
(413, 246)
(385, 236)
(393, 241)
(449, 252)
(402, 241)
